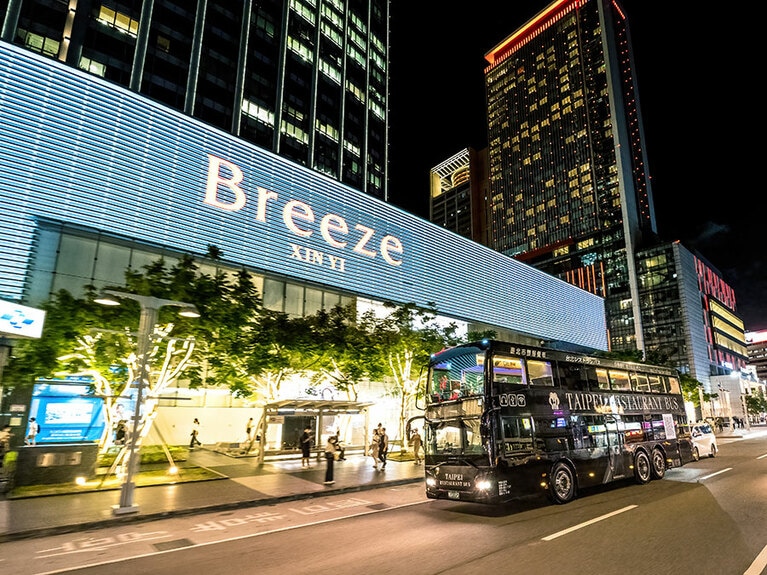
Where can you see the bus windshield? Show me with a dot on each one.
(454, 437)
(458, 374)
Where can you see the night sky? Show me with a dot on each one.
(696, 101)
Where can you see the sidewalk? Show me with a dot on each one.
(242, 484)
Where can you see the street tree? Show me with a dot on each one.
(405, 339)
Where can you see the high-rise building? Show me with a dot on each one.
(458, 191)
(687, 313)
(757, 352)
(569, 187)
(306, 79)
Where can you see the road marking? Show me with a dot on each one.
(235, 538)
(591, 521)
(710, 475)
(759, 563)
(762, 456)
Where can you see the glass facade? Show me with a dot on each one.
(307, 79)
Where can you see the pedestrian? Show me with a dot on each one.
(415, 441)
(194, 436)
(383, 448)
(374, 447)
(306, 446)
(120, 432)
(32, 431)
(340, 447)
(249, 429)
(5, 442)
(330, 458)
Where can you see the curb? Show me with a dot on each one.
(146, 517)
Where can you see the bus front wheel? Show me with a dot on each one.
(562, 483)
(642, 468)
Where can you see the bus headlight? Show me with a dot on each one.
(431, 482)
(484, 484)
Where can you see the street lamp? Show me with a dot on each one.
(150, 306)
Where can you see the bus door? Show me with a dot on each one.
(618, 464)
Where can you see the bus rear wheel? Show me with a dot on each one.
(658, 464)
(642, 468)
(562, 484)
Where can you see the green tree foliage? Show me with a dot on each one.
(405, 339)
(756, 403)
(343, 352)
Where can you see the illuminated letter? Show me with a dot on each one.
(333, 223)
(215, 180)
(391, 244)
(367, 234)
(263, 196)
(295, 210)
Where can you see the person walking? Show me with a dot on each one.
(5, 442)
(121, 432)
(340, 446)
(34, 429)
(194, 436)
(415, 441)
(374, 448)
(330, 459)
(383, 450)
(249, 429)
(306, 446)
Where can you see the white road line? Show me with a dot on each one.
(710, 475)
(227, 539)
(759, 563)
(762, 456)
(579, 526)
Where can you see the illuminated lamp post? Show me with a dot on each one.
(150, 306)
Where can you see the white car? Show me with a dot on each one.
(703, 440)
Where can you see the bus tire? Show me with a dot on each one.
(642, 468)
(658, 463)
(561, 483)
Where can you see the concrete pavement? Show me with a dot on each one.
(242, 484)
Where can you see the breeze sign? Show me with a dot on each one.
(299, 218)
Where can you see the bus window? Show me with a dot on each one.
(602, 379)
(619, 379)
(596, 430)
(517, 434)
(553, 433)
(639, 382)
(572, 377)
(540, 373)
(507, 369)
(673, 385)
(658, 428)
(633, 428)
(656, 384)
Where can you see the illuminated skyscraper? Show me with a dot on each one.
(307, 79)
(569, 188)
(457, 198)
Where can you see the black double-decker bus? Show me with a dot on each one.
(504, 420)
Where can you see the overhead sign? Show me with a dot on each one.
(20, 321)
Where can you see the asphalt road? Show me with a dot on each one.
(705, 518)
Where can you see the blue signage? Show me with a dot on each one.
(67, 413)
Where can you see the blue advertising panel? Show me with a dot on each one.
(81, 151)
(67, 412)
